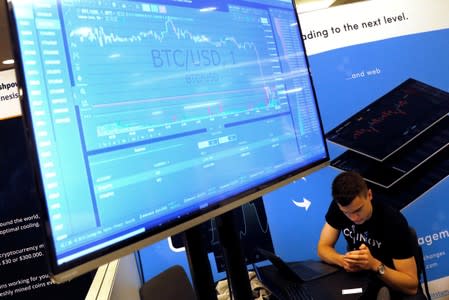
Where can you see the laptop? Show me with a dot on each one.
(299, 271)
(296, 280)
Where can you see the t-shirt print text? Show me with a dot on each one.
(359, 238)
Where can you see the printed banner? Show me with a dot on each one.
(380, 45)
(9, 95)
(23, 264)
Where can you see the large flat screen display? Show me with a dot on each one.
(149, 117)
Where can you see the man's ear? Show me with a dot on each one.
(369, 195)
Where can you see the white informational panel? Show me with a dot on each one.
(116, 280)
(369, 21)
(9, 95)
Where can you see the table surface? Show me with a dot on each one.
(327, 287)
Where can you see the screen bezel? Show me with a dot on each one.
(100, 257)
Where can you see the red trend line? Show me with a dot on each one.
(384, 115)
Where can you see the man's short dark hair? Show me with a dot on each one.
(348, 185)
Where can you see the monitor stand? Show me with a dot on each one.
(200, 270)
(233, 254)
(237, 273)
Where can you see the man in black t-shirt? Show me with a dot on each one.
(378, 237)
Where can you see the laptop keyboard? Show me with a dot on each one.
(309, 270)
(305, 272)
(294, 291)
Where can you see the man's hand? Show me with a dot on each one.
(358, 260)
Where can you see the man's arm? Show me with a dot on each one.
(326, 246)
(403, 278)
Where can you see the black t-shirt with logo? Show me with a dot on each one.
(386, 233)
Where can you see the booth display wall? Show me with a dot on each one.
(354, 67)
(358, 52)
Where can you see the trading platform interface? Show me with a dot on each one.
(399, 116)
(143, 112)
